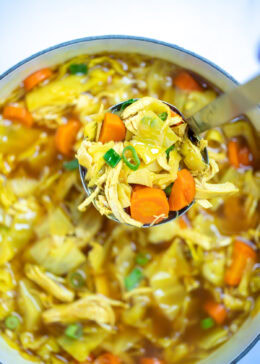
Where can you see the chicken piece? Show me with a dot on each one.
(111, 194)
(92, 307)
(84, 158)
(207, 190)
(49, 283)
(201, 235)
(124, 194)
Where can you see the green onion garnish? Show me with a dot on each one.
(74, 331)
(133, 279)
(78, 68)
(127, 103)
(207, 323)
(169, 150)
(112, 158)
(163, 116)
(168, 190)
(12, 322)
(142, 259)
(71, 165)
(133, 166)
(76, 280)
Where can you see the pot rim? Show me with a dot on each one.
(144, 39)
(115, 36)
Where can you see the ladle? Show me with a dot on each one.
(224, 108)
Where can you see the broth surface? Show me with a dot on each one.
(133, 293)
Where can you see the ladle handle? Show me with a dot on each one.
(227, 106)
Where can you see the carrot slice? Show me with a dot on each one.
(151, 361)
(183, 191)
(216, 310)
(107, 358)
(37, 77)
(239, 156)
(173, 113)
(186, 82)
(19, 114)
(113, 128)
(245, 156)
(241, 253)
(65, 136)
(147, 203)
(233, 153)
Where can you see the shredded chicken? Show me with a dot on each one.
(208, 190)
(49, 283)
(92, 307)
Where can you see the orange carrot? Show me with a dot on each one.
(233, 153)
(107, 358)
(19, 114)
(173, 113)
(147, 203)
(65, 136)
(216, 310)
(239, 156)
(37, 77)
(183, 191)
(186, 82)
(245, 157)
(113, 128)
(241, 253)
(151, 361)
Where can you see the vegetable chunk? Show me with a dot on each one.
(149, 205)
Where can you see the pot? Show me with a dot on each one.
(248, 334)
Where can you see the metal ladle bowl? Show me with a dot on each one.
(172, 214)
(224, 108)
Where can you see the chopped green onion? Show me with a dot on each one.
(127, 103)
(135, 157)
(207, 323)
(133, 279)
(71, 165)
(168, 190)
(74, 331)
(77, 68)
(112, 158)
(12, 322)
(76, 280)
(163, 116)
(169, 150)
(142, 259)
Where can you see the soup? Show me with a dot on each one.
(78, 288)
